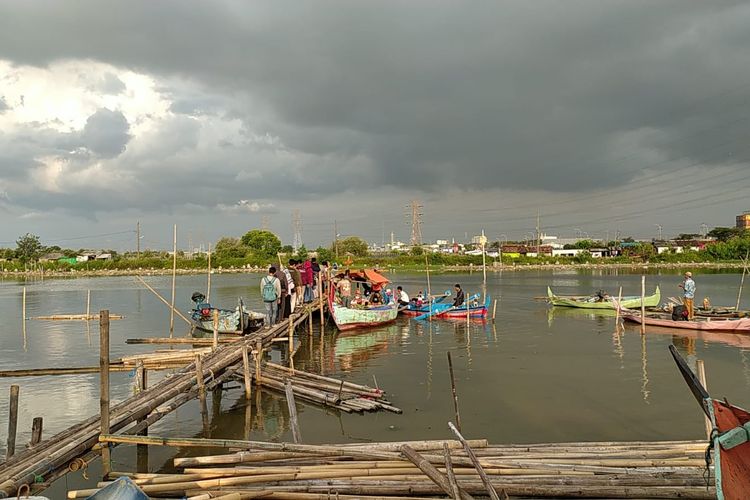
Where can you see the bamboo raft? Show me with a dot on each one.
(669, 469)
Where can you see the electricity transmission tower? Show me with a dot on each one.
(297, 227)
(265, 223)
(415, 213)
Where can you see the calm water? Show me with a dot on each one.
(537, 374)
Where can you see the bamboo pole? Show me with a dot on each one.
(246, 373)
(454, 493)
(88, 305)
(23, 317)
(643, 304)
(174, 282)
(215, 344)
(701, 369)
(494, 310)
(310, 323)
(178, 313)
(12, 421)
(617, 309)
(257, 354)
(321, 302)
(453, 390)
(208, 284)
(294, 423)
(199, 377)
(36, 431)
(104, 386)
(475, 461)
(290, 334)
(431, 472)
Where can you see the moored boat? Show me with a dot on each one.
(443, 309)
(362, 316)
(239, 321)
(665, 320)
(603, 301)
(730, 438)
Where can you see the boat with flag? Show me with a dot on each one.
(365, 314)
(729, 445)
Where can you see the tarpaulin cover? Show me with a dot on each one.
(122, 489)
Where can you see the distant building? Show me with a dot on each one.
(743, 221)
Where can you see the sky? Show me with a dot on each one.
(597, 118)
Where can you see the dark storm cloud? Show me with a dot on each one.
(556, 95)
(106, 133)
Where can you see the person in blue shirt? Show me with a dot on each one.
(688, 293)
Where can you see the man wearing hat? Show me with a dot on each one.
(688, 293)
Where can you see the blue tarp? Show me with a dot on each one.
(122, 489)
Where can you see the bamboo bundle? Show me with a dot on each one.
(74, 317)
(396, 470)
(193, 341)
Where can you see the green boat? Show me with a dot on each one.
(603, 301)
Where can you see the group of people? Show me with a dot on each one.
(363, 295)
(285, 288)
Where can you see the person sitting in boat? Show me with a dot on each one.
(358, 300)
(458, 300)
(419, 299)
(375, 297)
(401, 296)
(602, 296)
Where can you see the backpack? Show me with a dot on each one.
(269, 290)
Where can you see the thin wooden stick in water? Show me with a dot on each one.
(12, 421)
(294, 423)
(455, 493)
(701, 369)
(643, 304)
(742, 281)
(88, 305)
(174, 280)
(617, 307)
(216, 328)
(453, 389)
(104, 386)
(208, 284)
(246, 373)
(178, 313)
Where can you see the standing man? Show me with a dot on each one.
(458, 301)
(283, 311)
(270, 292)
(291, 292)
(297, 279)
(688, 293)
(345, 290)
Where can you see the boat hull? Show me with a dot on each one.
(477, 311)
(741, 325)
(229, 323)
(350, 319)
(630, 302)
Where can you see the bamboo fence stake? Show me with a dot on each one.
(12, 421)
(293, 421)
(23, 317)
(246, 372)
(258, 354)
(36, 430)
(310, 322)
(701, 369)
(178, 313)
(104, 386)
(643, 304)
(455, 493)
(742, 281)
(430, 471)
(88, 305)
(453, 389)
(208, 284)
(494, 310)
(216, 329)
(475, 461)
(617, 309)
(199, 377)
(468, 314)
(174, 280)
(321, 302)
(291, 341)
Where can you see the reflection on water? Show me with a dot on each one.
(536, 374)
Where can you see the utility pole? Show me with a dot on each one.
(416, 222)
(297, 227)
(336, 239)
(138, 239)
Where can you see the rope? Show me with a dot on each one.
(709, 456)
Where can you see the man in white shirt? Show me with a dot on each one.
(402, 296)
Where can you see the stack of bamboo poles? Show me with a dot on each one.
(52, 457)
(160, 358)
(317, 389)
(670, 469)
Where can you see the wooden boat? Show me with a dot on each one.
(231, 322)
(603, 302)
(348, 318)
(708, 324)
(443, 309)
(121, 489)
(441, 301)
(730, 439)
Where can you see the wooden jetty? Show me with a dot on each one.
(62, 452)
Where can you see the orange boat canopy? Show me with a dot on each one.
(370, 275)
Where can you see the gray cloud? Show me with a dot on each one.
(3, 105)
(543, 96)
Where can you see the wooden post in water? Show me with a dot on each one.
(494, 310)
(258, 354)
(141, 451)
(88, 305)
(643, 304)
(291, 341)
(174, 279)
(294, 423)
(701, 369)
(321, 302)
(36, 430)
(468, 312)
(23, 317)
(208, 284)
(453, 389)
(742, 281)
(310, 323)
(617, 308)
(12, 421)
(246, 371)
(199, 377)
(104, 387)
(216, 328)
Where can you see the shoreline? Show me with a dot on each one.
(389, 269)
